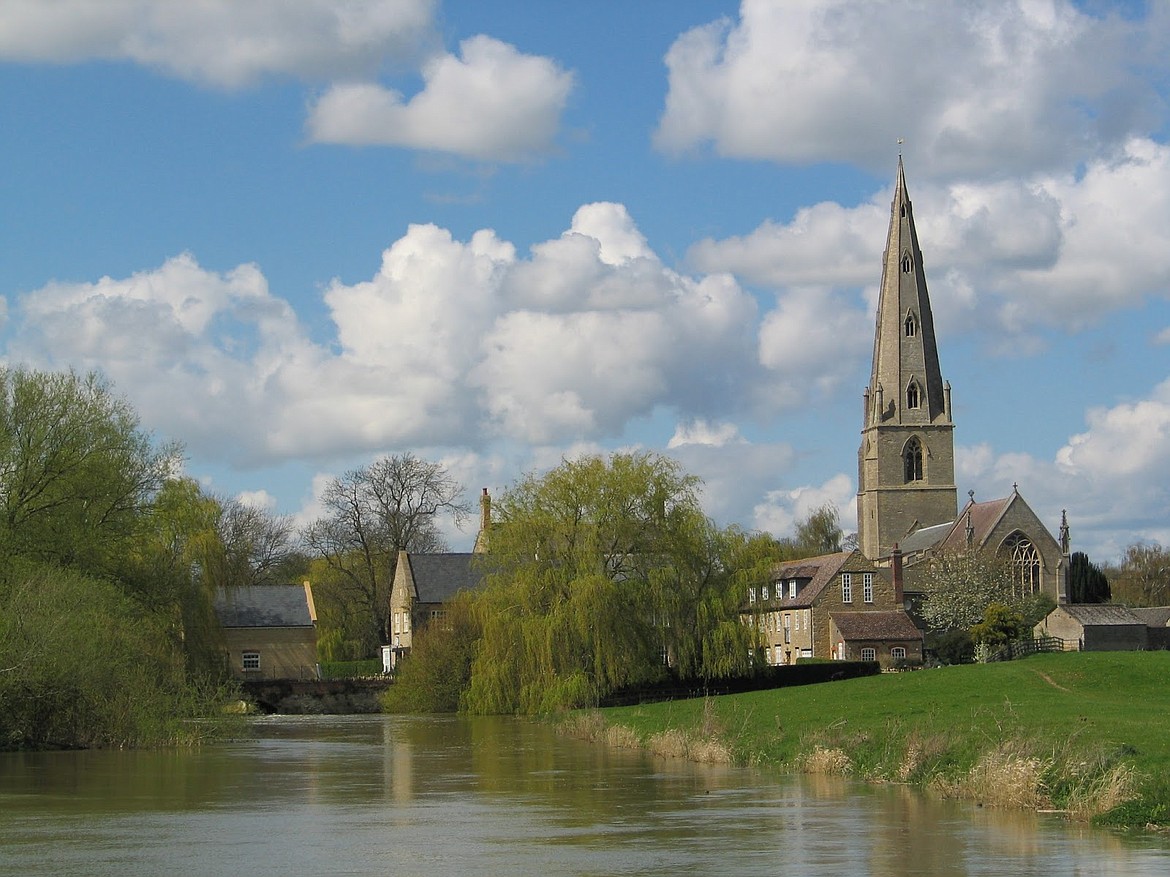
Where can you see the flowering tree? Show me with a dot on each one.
(960, 585)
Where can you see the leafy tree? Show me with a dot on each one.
(819, 533)
(598, 570)
(76, 470)
(1087, 583)
(437, 672)
(1000, 625)
(958, 586)
(371, 514)
(1144, 577)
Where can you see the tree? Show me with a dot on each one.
(371, 514)
(820, 533)
(1144, 577)
(1086, 581)
(598, 571)
(958, 586)
(76, 471)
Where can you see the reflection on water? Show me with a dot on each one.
(442, 796)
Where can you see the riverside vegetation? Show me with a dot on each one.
(1081, 733)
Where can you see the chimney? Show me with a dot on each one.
(896, 575)
(485, 511)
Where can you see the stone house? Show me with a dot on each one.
(808, 610)
(423, 585)
(270, 631)
(1103, 627)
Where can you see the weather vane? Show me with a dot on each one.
(900, 142)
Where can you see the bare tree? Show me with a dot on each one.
(371, 514)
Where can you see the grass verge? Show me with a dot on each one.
(1083, 733)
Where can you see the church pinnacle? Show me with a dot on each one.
(906, 461)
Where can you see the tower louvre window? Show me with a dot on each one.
(906, 264)
(913, 395)
(911, 325)
(912, 460)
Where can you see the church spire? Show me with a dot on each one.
(905, 354)
(906, 474)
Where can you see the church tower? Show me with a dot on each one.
(906, 463)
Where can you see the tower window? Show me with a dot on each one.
(912, 460)
(911, 326)
(906, 264)
(912, 395)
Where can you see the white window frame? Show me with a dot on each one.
(846, 587)
(751, 595)
(792, 589)
(898, 653)
(867, 587)
(764, 592)
(250, 661)
(869, 654)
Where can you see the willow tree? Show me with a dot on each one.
(599, 573)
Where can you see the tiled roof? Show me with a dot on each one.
(1154, 616)
(1097, 614)
(924, 538)
(263, 606)
(820, 570)
(891, 625)
(439, 577)
(983, 517)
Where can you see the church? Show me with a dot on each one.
(907, 500)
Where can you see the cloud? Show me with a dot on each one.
(973, 88)
(492, 103)
(780, 510)
(443, 346)
(221, 42)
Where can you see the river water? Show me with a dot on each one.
(432, 797)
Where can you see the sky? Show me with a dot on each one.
(298, 235)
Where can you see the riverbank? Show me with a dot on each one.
(1082, 733)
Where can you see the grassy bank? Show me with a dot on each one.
(1086, 733)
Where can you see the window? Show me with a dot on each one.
(787, 628)
(398, 622)
(867, 587)
(846, 587)
(898, 653)
(406, 622)
(251, 661)
(868, 654)
(911, 325)
(1025, 561)
(912, 396)
(912, 460)
(792, 589)
(906, 264)
(764, 592)
(751, 595)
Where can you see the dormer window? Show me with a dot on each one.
(911, 325)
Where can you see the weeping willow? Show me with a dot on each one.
(605, 574)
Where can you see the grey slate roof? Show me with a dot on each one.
(439, 577)
(263, 606)
(1094, 614)
(818, 571)
(887, 625)
(1153, 616)
(925, 537)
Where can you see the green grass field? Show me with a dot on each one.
(1084, 732)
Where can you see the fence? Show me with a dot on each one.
(1023, 647)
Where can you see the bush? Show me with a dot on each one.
(351, 669)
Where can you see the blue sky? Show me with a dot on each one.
(299, 235)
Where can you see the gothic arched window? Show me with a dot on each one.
(911, 326)
(1025, 563)
(912, 460)
(906, 264)
(913, 395)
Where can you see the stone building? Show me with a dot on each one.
(270, 631)
(907, 500)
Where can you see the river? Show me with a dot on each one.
(439, 797)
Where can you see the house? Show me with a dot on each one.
(1103, 627)
(423, 585)
(907, 498)
(270, 631)
(807, 611)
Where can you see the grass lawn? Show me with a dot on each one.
(1087, 732)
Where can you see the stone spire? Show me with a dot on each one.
(906, 470)
(905, 354)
